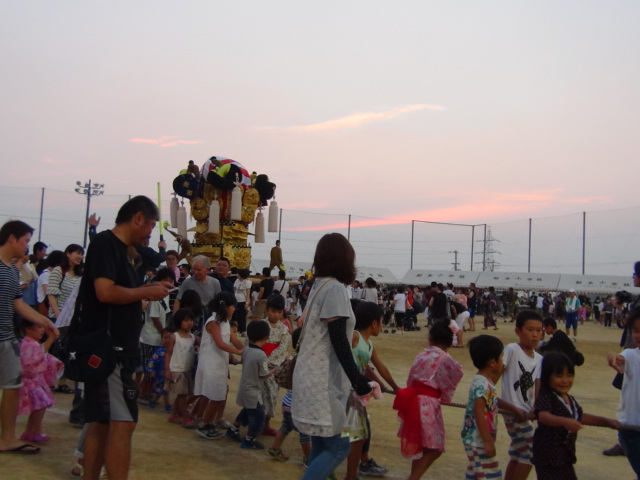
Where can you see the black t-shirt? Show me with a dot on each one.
(267, 284)
(439, 309)
(107, 258)
(226, 283)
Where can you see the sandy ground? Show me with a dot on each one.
(166, 451)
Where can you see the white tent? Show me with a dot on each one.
(519, 281)
(296, 269)
(597, 284)
(425, 277)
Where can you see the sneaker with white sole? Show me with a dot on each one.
(371, 469)
(209, 432)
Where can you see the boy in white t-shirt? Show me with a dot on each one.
(520, 383)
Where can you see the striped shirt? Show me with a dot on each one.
(9, 291)
(60, 286)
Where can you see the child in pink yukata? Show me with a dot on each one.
(433, 379)
(39, 371)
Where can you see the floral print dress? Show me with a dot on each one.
(39, 371)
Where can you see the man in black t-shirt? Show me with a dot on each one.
(110, 295)
(439, 304)
(266, 288)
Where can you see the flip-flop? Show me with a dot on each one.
(25, 449)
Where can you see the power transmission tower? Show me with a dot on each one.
(455, 260)
(489, 262)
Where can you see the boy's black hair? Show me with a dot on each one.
(295, 337)
(17, 228)
(483, 349)
(22, 327)
(257, 331)
(165, 274)
(167, 330)
(553, 363)
(441, 334)
(276, 302)
(550, 322)
(233, 323)
(525, 315)
(366, 313)
(181, 315)
(191, 299)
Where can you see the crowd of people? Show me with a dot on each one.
(176, 329)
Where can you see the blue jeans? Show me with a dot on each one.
(630, 441)
(253, 419)
(326, 454)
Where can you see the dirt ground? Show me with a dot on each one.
(165, 451)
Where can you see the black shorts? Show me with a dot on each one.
(115, 399)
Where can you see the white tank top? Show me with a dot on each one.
(183, 354)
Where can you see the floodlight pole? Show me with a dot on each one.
(89, 191)
(413, 223)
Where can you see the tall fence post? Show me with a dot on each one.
(413, 222)
(280, 226)
(584, 241)
(41, 210)
(349, 229)
(484, 249)
(529, 254)
(473, 235)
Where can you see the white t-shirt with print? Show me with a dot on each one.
(401, 303)
(520, 373)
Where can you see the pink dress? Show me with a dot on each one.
(39, 371)
(435, 371)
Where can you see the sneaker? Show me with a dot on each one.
(209, 432)
(175, 419)
(188, 423)
(278, 454)
(251, 444)
(168, 408)
(371, 469)
(614, 451)
(225, 425)
(151, 404)
(233, 434)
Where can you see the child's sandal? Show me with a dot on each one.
(278, 454)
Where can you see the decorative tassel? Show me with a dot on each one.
(182, 222)
(260, 227)
(273, 217)
(173, 211)
(236, 202)
(214, 216)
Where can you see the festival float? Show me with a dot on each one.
(223, 199)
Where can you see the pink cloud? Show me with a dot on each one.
(165, 141)
(55, 161)
(357, 119)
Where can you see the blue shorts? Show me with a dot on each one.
(571, 320)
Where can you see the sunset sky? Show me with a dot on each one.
(458, 111)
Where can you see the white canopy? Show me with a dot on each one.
(519, 281)
(297, 269)
(603, 284)
(597, 284)
(425, 277)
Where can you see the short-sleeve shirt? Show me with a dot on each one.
(519, 377)
(401, 303)
(107, 258)
(254, 366)
(206, 290)
(629, 407)
(156, 309)
(267, 284)
(240, 288)
(555, 446)
(9, 292)
(481, 387)
(320, 386)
